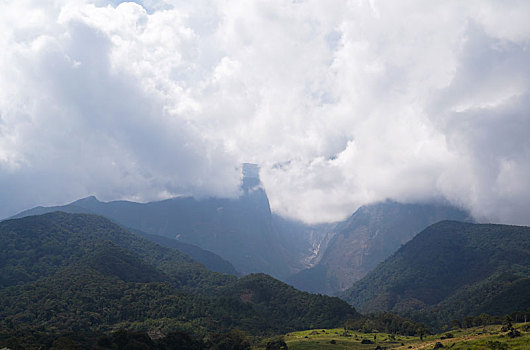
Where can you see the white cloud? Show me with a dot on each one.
(81, 117)
(342, 103)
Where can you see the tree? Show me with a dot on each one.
(233, 340)
(468, 322)
(455, 324)
(276, 344)
(179, 340)
(508, 322)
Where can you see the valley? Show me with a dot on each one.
(367, 238)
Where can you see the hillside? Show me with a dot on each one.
(38, 246)
(477, 338)
(91, 205)
(451, 270)
(66, 272)
(279, 301)
(367, 238)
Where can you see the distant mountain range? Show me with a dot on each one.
(68, 272)
(365, 239)
(210, 260)
(242, 231)
(449, 271)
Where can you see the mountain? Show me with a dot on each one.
(449, 271)
(279, 301)
(65, 272)
(305, 242)
(240, 230)
(36, 247)
(364, 240)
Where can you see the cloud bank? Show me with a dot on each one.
(342, 103)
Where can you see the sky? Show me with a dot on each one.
(341, 103)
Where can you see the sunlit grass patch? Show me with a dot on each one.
(483, 338)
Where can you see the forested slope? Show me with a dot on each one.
(456, 269)
(66, 272)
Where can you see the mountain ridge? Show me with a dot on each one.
(213, 224)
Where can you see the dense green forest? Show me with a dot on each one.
(449, 271)
(77, 272)
(123, 339)
(38, 246)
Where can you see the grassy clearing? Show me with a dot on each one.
(338, 338)
(479, 338)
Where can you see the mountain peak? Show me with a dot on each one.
(87, 200)
(250, 176)
(250, 170)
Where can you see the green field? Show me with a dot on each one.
(338, 338)
(488, 337)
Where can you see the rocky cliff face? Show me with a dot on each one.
(305, 243)
(364, 240)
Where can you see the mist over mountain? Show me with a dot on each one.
(241, 230)
(368, 237)
(320, 258)
(306, 242)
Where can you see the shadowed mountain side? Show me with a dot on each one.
(306, 243)
(369, 236)
(211, 260)
(450, 270)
